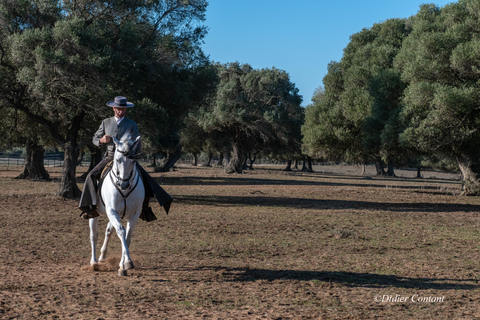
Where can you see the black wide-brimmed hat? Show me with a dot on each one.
(120, 102)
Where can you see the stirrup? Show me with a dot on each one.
(89, 215)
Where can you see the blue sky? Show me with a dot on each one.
(300, 37)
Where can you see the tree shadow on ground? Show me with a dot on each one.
(302, 203)
(251, 181)
(350, 279)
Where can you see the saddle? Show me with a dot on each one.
(104, 173)
(106, 170)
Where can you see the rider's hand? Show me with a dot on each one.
(105, 139)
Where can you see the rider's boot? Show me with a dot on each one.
(89, 213)
(147, 213)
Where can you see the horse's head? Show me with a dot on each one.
(125, 158)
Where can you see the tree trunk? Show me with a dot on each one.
(289, 166)
(68, 187)
(379, 166)
(195, 159)
(470, 168)
(34, 167)
(295, 166)
(309, 164)
(391, 169)
(252, 159)
(95, 158)
(235, 165)
(154, 161)
(209, 162)
(226, 159)
(304, 165)
(170, 160)
(81, 155)
(419, 170)
(220, 160)
(245, 158)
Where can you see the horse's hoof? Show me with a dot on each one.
(122, 273)
(129, 265)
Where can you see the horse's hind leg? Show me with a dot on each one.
(93, 223)
(108, 234)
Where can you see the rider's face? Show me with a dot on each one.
(120, 112)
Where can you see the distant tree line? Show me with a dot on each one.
(61, 61)
(406, 91)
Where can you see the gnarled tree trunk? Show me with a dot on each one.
(307, 164)
(235, 165)
(379, 166)
(34, 166)
(220, 160)
(391, 169)
(289, 166)
(470, 168)
(209, 161)
(68, 187)
(252, 159)
(195, 159)
(170, 160)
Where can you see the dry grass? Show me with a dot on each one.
(262, 245)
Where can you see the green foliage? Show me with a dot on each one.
(405, 89)
(440, 62)
(257, 110)
(356, 117)
(65, 59)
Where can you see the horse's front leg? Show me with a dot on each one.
(125, 262)
(108, 234)
(130, 227)
(93, 223)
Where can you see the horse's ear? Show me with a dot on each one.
(136, 146)
(115, 140)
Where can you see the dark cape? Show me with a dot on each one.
(153, 189)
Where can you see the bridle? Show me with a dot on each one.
(117, 174)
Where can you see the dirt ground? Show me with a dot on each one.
(267, 244)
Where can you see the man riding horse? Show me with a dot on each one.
(118, 126)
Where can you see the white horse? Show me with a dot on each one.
(121, 197)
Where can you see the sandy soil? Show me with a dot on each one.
(263, 245)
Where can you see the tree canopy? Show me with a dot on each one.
(405, 87)
(440, 63)
(354, 117)
(65, 59)
(251, 108)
